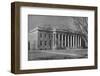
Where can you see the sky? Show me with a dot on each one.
(39, 20)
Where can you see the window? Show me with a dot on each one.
(45, 35)
(41, 35)
(45, 42)
(41, 43)
(49, 35)
(50, 43)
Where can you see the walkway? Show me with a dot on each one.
(58, 54)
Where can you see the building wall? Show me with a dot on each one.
(33, 40)
(44, 40)
(47, 40)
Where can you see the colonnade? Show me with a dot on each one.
(66, 40)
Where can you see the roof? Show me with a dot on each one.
(48, 27)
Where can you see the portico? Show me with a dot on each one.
(66, 40)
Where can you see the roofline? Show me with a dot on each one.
(57, 30)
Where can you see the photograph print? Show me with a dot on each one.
(57, 37)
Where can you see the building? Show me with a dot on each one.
(48, 38)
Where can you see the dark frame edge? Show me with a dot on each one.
(15, 35)
(96, 38)
(12, 37)
(55, 69)
(51, 5)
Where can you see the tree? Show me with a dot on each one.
(81, 24)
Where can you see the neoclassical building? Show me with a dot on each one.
(41, 38)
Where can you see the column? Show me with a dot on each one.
(58, 40)
(54, 40)
(76, 41)
(65, 40)
(73, 41)
(62, 40)
(80, 41)
(68, 40)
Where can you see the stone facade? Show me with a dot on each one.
(48, 39)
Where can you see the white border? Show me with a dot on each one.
(25, 64)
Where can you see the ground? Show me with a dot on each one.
(57, 54)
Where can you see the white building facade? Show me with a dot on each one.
(49, 39)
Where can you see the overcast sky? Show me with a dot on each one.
(36, 20)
